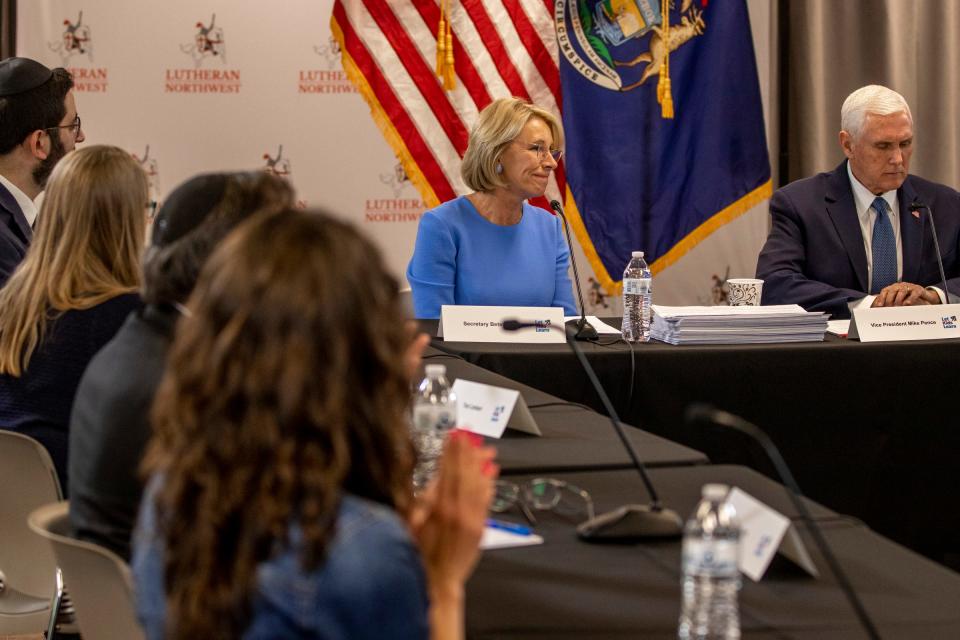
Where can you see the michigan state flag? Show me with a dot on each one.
(665, 134)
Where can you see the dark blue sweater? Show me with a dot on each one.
(38, 403)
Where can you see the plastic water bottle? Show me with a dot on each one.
(434, 415)
(711, 578)
(637, 298)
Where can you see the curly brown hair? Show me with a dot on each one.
(285, 389)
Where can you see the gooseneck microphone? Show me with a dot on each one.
(631, 521)
(581, 329)
(917, 205)
(705, 413)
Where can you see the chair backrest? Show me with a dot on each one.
(98, 580)
(28, 480)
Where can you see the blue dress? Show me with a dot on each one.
(371, 584)
(462, 258)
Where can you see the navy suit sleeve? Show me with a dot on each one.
(782, 265)
(10, 258)
(945, 205)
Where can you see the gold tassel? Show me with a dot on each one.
(449, 76)
(664, 93)
(445, 69)
(666, 107)
(661, 82)
(441, 46)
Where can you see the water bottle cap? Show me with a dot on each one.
(434, 370)
(637, 254)
(715, 491)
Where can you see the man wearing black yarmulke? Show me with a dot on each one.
(39, 124)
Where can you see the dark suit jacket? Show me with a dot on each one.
(814, 255)
(110, 427)
(15, 234)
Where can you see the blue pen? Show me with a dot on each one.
(519, 529)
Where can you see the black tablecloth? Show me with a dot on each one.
(574, 438)
(570, 589)
(869, 429)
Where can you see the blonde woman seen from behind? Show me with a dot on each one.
(72, 291)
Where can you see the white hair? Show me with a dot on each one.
(874, 99)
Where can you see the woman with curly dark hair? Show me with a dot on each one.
(281, 501)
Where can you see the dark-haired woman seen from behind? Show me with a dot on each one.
(281, 500)
(110, 421)
(72, 291)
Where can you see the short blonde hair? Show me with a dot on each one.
(499, 125)
(86, 248)
(875, 99)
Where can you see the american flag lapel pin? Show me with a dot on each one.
(916, 214)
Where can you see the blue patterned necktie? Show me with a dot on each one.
(884, 249)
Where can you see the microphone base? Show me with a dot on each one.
(631, 523)
(580, 329)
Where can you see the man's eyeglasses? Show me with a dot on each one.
(541, 150)
(543, 494)
(75, 126)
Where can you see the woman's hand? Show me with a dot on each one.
(448, 523)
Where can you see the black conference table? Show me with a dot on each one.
(868, 428)
(574, 437)
(567, 588)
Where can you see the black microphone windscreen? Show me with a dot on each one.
(512, 325)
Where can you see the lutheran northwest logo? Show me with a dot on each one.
(329, 80)
(620, 44)
(395, 209)
(277, 165)
(149, 166)
(329, 52)
(396, 180)
(75, 40)
(75, 48)
(208, 44)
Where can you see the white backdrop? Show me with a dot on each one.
(205, 85)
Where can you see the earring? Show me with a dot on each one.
(499, 168)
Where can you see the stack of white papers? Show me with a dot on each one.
(737, 325)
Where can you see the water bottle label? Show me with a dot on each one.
(710, 558)
(636, 286)
(434, 417)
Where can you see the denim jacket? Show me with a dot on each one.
(371, 585)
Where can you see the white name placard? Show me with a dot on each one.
(763, 532)
(488, 410)
(462, 323)
(889, 324)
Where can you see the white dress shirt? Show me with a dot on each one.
(863, 200)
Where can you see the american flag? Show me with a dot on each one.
(500, 48)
